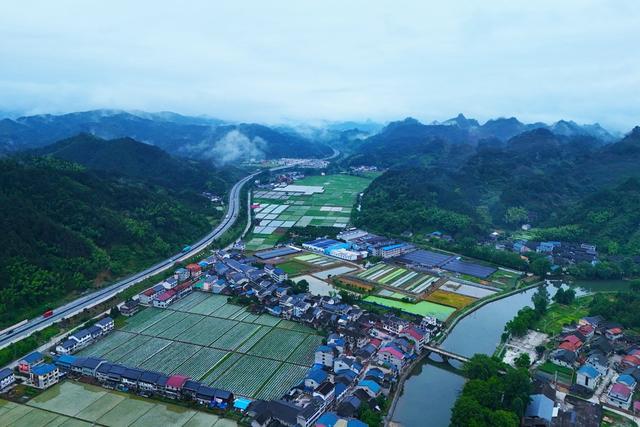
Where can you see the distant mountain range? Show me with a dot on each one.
(197, 137)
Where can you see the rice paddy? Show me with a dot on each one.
(216, 342)
(75, 404)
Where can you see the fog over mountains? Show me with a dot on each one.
(227, 142)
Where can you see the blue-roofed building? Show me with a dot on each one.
(67, 346)
(314, 378)
(627, 380)
(241, 403)
(148, 380)
(540, 409)
(587, 376)
(324, 245)
(331, 419)
(341, 389)
(371, 387)
(29, 361)
(7, 378)
(64, 362)
(394, 250)
(95, 331)
(324, 355)
(106, 324)
(83, 337)
(90, 365)
(375, 373)
(275, 310)
(277, 274)
(44, 375)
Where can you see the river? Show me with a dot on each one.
(429, 394)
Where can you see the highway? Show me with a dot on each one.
(94, 298)
(86, 301)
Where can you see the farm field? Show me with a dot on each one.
(466, 290)
(213, 341)
(450, 299)
(422, 308)
(397, 277)
(294, 268)
(74, 404)
(280, 210)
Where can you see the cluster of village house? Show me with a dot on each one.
(363, 356)
(560, 254)
(34, 370)
(605, 360)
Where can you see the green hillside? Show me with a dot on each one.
(65, 229)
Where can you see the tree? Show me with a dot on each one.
(523, 361)
(541, 300)
(502, 418)
(541, 266)
(468, 410)
(516, 215)
(347, 297)
(301, 287)
(635, 285)
(564, 297)
(483, 367)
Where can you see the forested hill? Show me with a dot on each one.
(452, 141)
(194, 137)
(540, 177)
(65, 228)
(610, 218)
(134, 159)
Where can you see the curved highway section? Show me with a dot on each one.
(110, 291)
(86, 301)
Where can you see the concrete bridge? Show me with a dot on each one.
(445, 354)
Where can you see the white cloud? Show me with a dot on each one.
(277, 60)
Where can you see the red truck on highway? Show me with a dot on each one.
(47, 313)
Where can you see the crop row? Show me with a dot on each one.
(106, 344)
(247, 376)
(304, 353)
(200, 363)
(222, 366)
(278, 344)
(191, 320)
(144, 319)
(127, 347)
(142, 353)
(170, 357)
(235, 336)
(285, 377)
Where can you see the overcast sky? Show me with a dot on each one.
(276, 61)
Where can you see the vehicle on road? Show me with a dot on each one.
(186, 249)
(47, 313)
(11, 329)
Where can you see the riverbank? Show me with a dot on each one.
(450, 325)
